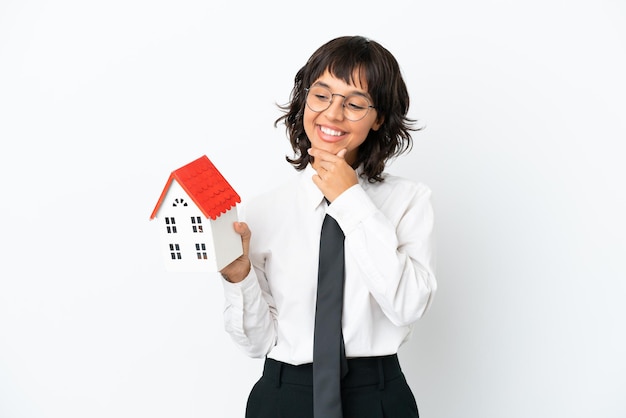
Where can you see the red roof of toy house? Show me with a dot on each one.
(205, 185)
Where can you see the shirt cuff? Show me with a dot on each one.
(234, 292)
(351, 208)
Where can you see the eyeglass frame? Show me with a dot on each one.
(343, 102)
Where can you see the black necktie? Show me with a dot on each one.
(329, 360)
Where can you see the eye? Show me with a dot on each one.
(321, 94)
(356, 103)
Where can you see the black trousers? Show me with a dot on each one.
(374, 387)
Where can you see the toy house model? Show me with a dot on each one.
(195, 214)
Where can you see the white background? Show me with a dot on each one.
(524, 103)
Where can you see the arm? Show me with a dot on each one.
(392, 247)
(249, 309)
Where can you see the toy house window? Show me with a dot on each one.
(170, 223)
(196, 222)
(180, 202)
(201, 251)
(175, 251)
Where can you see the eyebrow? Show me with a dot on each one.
(357, 92)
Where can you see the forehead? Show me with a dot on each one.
(356, 79)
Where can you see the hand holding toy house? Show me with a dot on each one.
(196, 212)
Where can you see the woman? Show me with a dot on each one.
(347, 116)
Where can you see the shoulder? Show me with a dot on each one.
(398, 187)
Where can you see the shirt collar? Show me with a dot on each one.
(313, 196)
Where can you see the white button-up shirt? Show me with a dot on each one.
(389, 268)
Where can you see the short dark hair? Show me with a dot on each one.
(341, 57)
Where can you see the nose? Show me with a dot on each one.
(335, 110)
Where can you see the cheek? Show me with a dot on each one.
(361, 134)
(308, 114)
(357, 142)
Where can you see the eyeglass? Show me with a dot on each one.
(355, 106)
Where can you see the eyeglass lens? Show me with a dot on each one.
(355, 106)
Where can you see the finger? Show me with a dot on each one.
(322, 155)
(329, 167)
(318, 180)
(242, 229)
(318, 152)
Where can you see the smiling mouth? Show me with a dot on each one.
(330, 132)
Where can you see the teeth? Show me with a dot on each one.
(329, 131)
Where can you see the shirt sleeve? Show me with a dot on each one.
(393, 250)
(249, 313)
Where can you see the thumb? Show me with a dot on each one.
(342, 152)
(242, 229)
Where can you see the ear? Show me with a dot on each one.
(378, 123)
